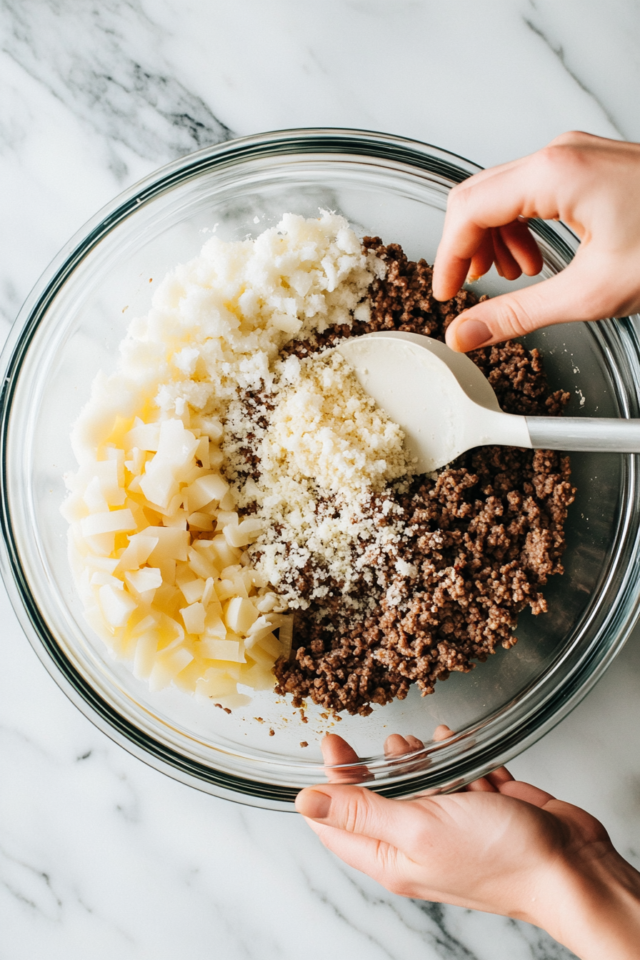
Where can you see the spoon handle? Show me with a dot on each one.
(596, 434)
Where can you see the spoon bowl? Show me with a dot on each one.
(445, 405)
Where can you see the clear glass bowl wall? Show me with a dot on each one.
(71, 327)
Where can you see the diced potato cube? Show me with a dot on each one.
(117, 606)
(114, 521)
(243, 581)
(209, 592)
(214, 625)
(137, 553)
(176, 445)
(100, 577)
(225, 589)
(184, 573)
(193, 590)
(205, 489)
(227, 518)
(74, 508)
(145, 655)
(223, 554)
(147, 623)
(216, 458)
(258, 677)
(193, 617)
(101, 544)
(148, 578)
(228, 502)
(167, 599)
(240, 615)
(267, 603)
(260, 628)
(158, 483)
(233, 536)
(186, 680)
(215, 684)
(168, 570)
(271, 645)
(235, 700)
(244, 534)
(285, 634)
(94, 497)
(172, 543)
(167, 667)
(135, 465)
(107, 473)
(202, 452)
(200, 521)
(200, 565)
(212, 427)
(261, 656)
(222, 649)
(145, 436)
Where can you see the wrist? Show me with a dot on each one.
(593, 908)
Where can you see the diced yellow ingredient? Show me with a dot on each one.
(193, 590)
(167, 666)
(193, 616)
(145, 655)
(240, 615)
(163, 531)
(215, 684)
(205, 489)
(222, 649)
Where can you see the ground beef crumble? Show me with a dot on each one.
(478, 543)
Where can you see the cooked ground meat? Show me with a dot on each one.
(478, 542)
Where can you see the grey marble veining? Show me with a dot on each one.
(101, 856)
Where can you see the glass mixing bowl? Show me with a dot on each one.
(70, 328)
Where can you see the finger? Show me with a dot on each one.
(342, 763)
(335, 749)
(360, 811)
(396, 746)
(381, 861)
(500, 776)
(570, 295)
(525, 188)
(480, 786)
(442, 732)
(526, 792)
(482, 260)
(490, 783)
(506, 266)
(523, 247)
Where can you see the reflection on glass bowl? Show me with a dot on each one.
(70, 328)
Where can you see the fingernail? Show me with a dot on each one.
(471, 334)
(313, 804)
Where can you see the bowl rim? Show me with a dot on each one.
(341, 142)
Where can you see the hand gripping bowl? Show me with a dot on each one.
(70, 328)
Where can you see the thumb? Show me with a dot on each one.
(359, 811)
(570, 295)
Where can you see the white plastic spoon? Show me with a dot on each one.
(446, 405)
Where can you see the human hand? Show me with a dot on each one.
(501, 846)
(590, 183)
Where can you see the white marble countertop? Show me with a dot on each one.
(100, 856)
